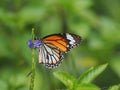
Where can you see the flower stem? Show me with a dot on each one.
(33, 65)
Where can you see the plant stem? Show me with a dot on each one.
(33, 65)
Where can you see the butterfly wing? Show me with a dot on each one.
(64, 42)
(53, 46)
(51, 52)
(51, 57)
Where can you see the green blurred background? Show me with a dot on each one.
(96, 21)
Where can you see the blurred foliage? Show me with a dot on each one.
(96, 21)
(84, 81)
(115, 87)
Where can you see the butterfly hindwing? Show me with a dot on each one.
(51, 57)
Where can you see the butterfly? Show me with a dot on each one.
(51, 48)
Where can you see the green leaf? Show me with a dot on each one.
(91, 74)
(115, 87)
(87, 86)
(115, 64)
(65, 78)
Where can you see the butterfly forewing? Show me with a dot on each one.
(64, 41)
(57, 41)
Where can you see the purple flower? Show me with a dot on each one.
(30, 44)
(36, 44)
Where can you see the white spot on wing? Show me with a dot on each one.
(69, 37)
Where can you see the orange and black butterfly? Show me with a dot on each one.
(52, 47)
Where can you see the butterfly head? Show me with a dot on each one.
(37, 43)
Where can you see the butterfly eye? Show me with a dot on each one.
(30, 44)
